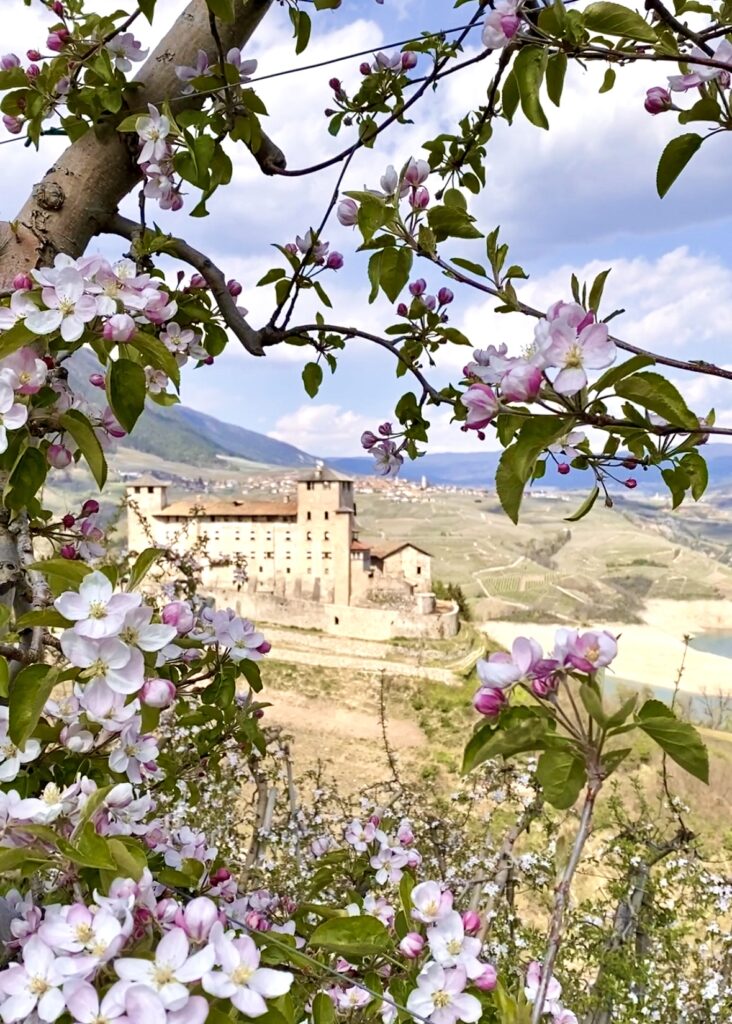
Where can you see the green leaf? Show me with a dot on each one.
(312, 378)
(674, 159)
(145, 560)
(64, 568)
(561, 774)
(608, 80)
(323, 1009)
(4, 678)
(598, 286)
(126, 386)
(517, 462)
(592, 701)
(15, 857)
(510, 97)
(490, 741)
(452, 222)
(696, 469)
(304, 27)
(474, 268)
(620, 716)
(657, 394)
(14, 338)
(88, 850)
(556, 69)
(615, 20)
(129, 856)
(528, 67)
(585, 507)
(48, 617)
(26, 479)
(678, 739)
(29, 692)
(83, 434)
(351, 936)
(610, 378)
(157, 355)
(223, 9)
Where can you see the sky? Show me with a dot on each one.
(578, 198)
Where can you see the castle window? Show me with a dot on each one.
(308, 535)
(336, 620)
(269, 554)
(252, 536)
(261, 568)
(310, 572)
(288, 556)
(310, 485)
(137, 490)
(288, 569)
(327, 554)
(326, 571)
(288, 538)
(151, 490)
(326, 535)
(309, 556)
(326, 515)
(419, 570)
(309, 516)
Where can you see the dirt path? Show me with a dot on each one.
(389, 668)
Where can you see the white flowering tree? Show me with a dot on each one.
(116, 906)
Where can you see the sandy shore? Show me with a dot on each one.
(651, 654)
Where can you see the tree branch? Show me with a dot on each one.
(213, 275)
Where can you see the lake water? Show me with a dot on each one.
(719, 642)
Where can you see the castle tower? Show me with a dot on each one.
(146, 496)
(325, 524)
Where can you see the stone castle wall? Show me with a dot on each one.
(345, 620)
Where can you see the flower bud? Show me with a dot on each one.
(471, 922)
(418, 287)
(197, 281)
(420, 198)
(120, 327)
(219, 876)
(658, 100)
(429, 302)
(334, 261)
(90, 507)
(364, 68)
(32, 71)
(489, 701)
(630, 483)
(445, 296)
(412, 945)
(157, 693)
(417, 172)
(486, 981)
(368, 440)
(256, 922)
(385, 429)
(68, 520)
(8, 61)
(563, 468)
(290, 248)
(12, 124)
(58, 8)
(98, 380)
(335, 84)
(69, 551)
(264, 648)
(178, 614)
(402, 309)
(56, 41)
(22, 282)
(409, 60)
(199, 917)
(58, 456)
(34, 55)
(347, 212)
(234, 288)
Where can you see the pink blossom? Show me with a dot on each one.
(521, 382)
(153, 130)
(21, 306)
(489, 701)
(198, 918)
(58, 456)
(702, 73)
(347, 212)
(239, 976)
(471, 922)
(9, 61)
(158, 693)
(12, 414)
(430, 903)
(440, 996)
(180, 615)
(417, 172)
(501, 25)
(574, 353)
(658, 100)
(122, 668)
(24, 371)
(97, 611)
(171, 970)
(502, 670)
(587, 652)
(12, 124)
(387, 457)
(533, 981)
(488, 980)
(69, 308)
(22, 282)
(120, 327)
(482, 405)
(124, 49)
(412, 945)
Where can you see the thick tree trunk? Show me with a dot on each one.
(82, 190)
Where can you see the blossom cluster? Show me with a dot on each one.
(659, 99)
(526, 665)
(568, 341)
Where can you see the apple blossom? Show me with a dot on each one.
(153, 131)
(12, 757)
(450, 947)
(171, 969)
(158, 693)
(240, 978)
(85, 1006)
(440, 996)
(58, 456)
(501, 25)
(482, 406)
(501, 670)
(533, 983)
(574, 351)
(347, 212)
(416, 172)
(107, 660)
(586, 652)
(135, 753)
(489, 701)
(23, 371)
(69, 308)
(12, 414)
(488, 980)
(125, 49)
(430, 903)
(412, 945)
(97, 611)
(120, 327)
(36, 984)
(658, 100)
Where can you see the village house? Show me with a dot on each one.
(302, 547)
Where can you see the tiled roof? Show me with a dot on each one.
(322, 472)
(146, 481)
(356, 545)
(387, 550)
(194, 507)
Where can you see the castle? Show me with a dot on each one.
(299, 558)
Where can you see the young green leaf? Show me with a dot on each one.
(82, 432)
(528, 67)
(312, 378)
(678, 739)
(561, 774)
(351, 936)
(126, 387)
(29, 692)
(615, 20)
(674, 159)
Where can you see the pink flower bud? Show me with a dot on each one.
(234, 288)
(32, 71)
(68, 520)
(291, 248)
(58, 456)
(486, 981)
(8, 61)
(471, 922)
(199, 917)
(409, 60)
(368, 440)
(264, 648)
(56, 42)
(417, 172)
(178, 614)
(111, 424)
(22, 282)
(412, 945)
(335, 84)
(564, 468)
(69, 551)
(34, 55)
(12, 124)
(420, 198)
(364, 68)
(157, 693)
(98, 380)
(219, 876)
(256, 922)
(58, 8)
(658, 100)
(334, 261)
(630, 483)
(120, 327)
(347, 212)
(385, 429)
(429, 302)
(418, 287)
(445, 296)
(90, 507)
(197, 281)
(402, 309)
(489, 701)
